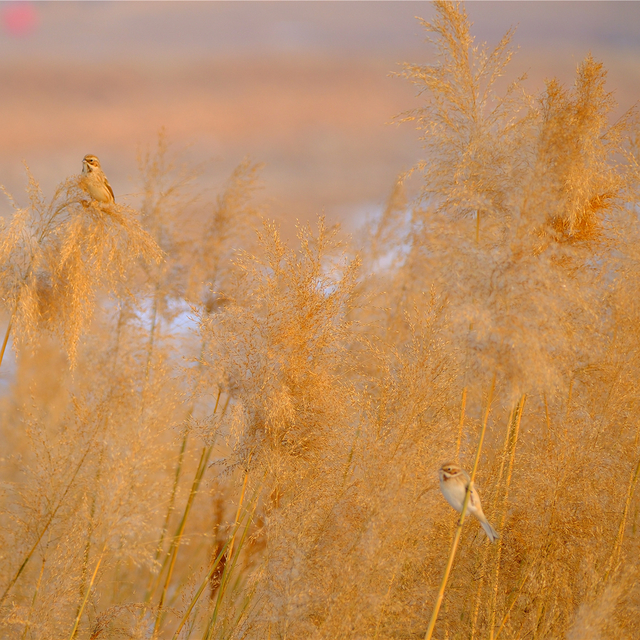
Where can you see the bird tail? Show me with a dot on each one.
(492, 534)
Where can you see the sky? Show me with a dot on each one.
(304, 87)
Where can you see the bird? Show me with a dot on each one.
(453, 483)
(94, 182)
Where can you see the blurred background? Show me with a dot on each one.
(304, 87)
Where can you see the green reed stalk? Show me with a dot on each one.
(226, 572)
(170, 558)
(456, 539)
(153, 584)
(177, 539)
(224, 552)
(203, 585)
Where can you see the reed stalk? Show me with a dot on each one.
(463, 404)
(517, 592)
(50, 519)
(92, 513)
(33, 600)
(202, 586)
(177, 539)
(6, 339)
(617, 545)
(456, 539)
(512, 441)
(226, 572)
(88, 591)
(223, 553)
(153, 584)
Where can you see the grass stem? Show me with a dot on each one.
(177, 539)
(463, 404)
(50, 519)
(6, 340)
(512, 440)
(88, 591)
(229, 555)
(456, 538)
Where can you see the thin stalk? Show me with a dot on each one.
(456, 539)
(516, 432)
(49, 520)
(33, 600)
(150, 345)
(516, 593)
(511, 444)
(6, 339)
(175, 543)
(169, 557)
(152, 335)
(244, 488)
(207, 578)
(202, 587)
(391, 581)
(615, 554)
(226, 573)
(503, 458)
(114, 368)
(546, 413)
(569, 396)
(463, 404)
(86, 597)
(151, 588)
(243, 612)
(480, 589)
(92, 513)
(192, 625)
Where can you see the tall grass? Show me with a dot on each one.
(222, 435)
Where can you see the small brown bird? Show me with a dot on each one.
(453, 483)
(94, 182)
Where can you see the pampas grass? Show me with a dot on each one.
(220, 434)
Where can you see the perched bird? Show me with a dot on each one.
(453, 483)
(94, 182)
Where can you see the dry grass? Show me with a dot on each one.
(268, 469)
